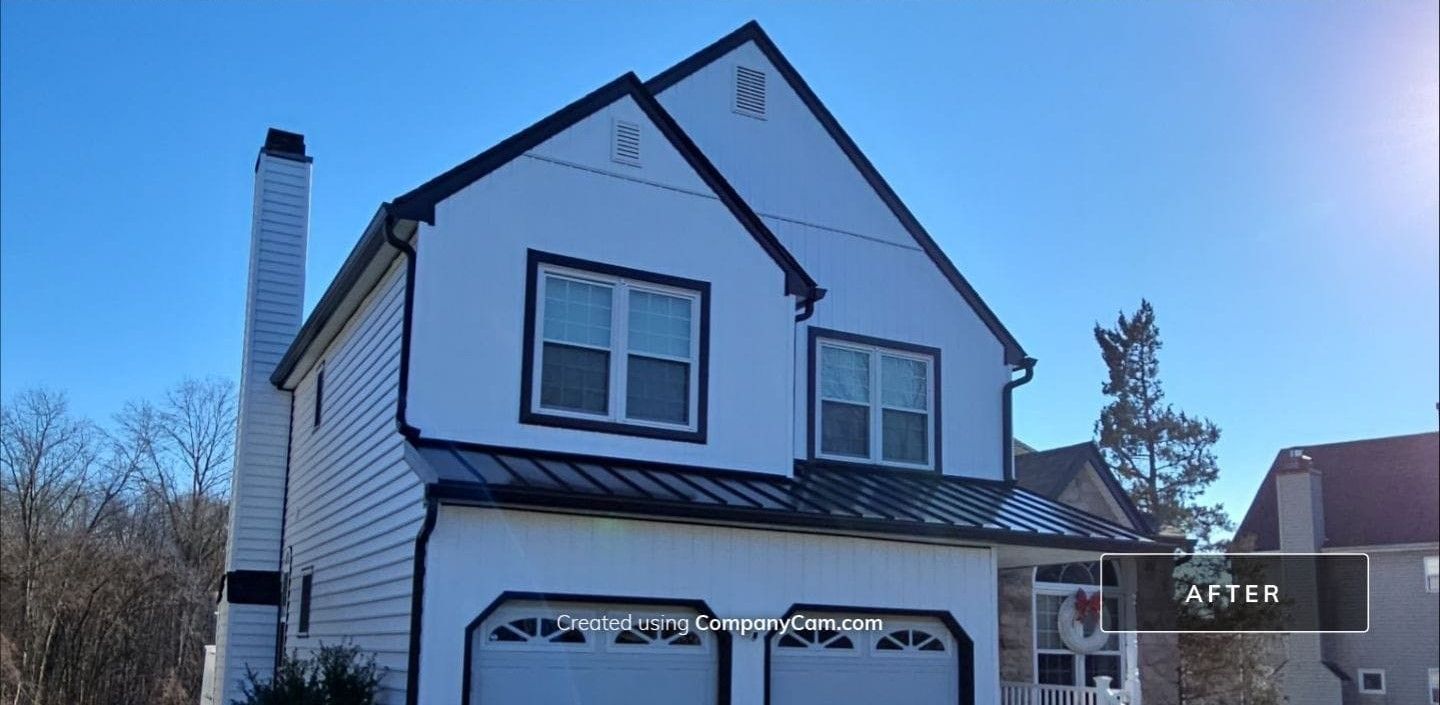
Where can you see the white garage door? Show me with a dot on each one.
(522, 656)
(912, 661)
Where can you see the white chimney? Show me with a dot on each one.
(247, 616)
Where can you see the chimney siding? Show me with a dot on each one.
(245, 634)
(1302, 530)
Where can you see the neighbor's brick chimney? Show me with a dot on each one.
(247, 616)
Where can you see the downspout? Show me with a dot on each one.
(417, 600)
(1007, 453)
(403, 391)
(282, 614)
(411, 433)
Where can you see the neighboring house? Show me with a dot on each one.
(592, 372)
(1377, 496)
(1033, 657)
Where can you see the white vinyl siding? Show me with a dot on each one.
(875, 405)
(616, 349)
(354, 505)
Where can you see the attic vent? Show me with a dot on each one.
(750, 92)
(625, 143)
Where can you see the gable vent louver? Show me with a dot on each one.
(750, 92)
(625, 143)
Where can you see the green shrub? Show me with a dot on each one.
(333, 675)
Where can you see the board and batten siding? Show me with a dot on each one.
(568, 197)
(880, 282)
(354, 505)
(737, 572)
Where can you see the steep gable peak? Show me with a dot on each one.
(751, 32)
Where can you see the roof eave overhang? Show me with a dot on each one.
(508, 497)
(362, 269)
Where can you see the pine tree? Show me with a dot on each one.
(1165, 458)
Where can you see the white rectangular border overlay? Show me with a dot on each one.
(1368, 592)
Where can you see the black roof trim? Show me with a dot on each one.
(419, 203)
(372, 241)
(903, 504)
(751, 31)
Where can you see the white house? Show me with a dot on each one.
(676, 353)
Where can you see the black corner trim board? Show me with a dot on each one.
(722, 655)
(964, 645)
(252, 587)
(812, 381)
(751, 32)
(528, 415)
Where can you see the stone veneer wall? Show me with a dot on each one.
(1017, 634)
(1159, 668)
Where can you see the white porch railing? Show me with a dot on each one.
(1034, 694)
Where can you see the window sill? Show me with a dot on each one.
(535, 418)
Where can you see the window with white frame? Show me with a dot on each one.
(1434, 686)
(1432, 573)
(1055, 663)
(615, 350)
(875, 401)
(1371, 681)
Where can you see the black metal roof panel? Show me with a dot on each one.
(901, 502)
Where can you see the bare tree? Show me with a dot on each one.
(110, 545)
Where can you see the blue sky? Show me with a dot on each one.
(1265, 173)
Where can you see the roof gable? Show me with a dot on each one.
(1051, 472)
(1374, 492)
(752, 32)
(419, 203)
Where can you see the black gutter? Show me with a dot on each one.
(807, 307)
(1007, 414)
(403, 388)
(370, 244)
(417, 600)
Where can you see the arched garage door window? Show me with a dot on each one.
(916, 659)
(551, 652)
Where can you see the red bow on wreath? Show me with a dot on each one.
(1087, 609)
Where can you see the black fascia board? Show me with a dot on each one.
(419, 203)
(751, 31)
(371, 242)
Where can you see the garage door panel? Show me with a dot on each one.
(522, 656)
(911, 661)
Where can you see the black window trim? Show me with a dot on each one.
(812, 381)
(528, 415)
(307, 590)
